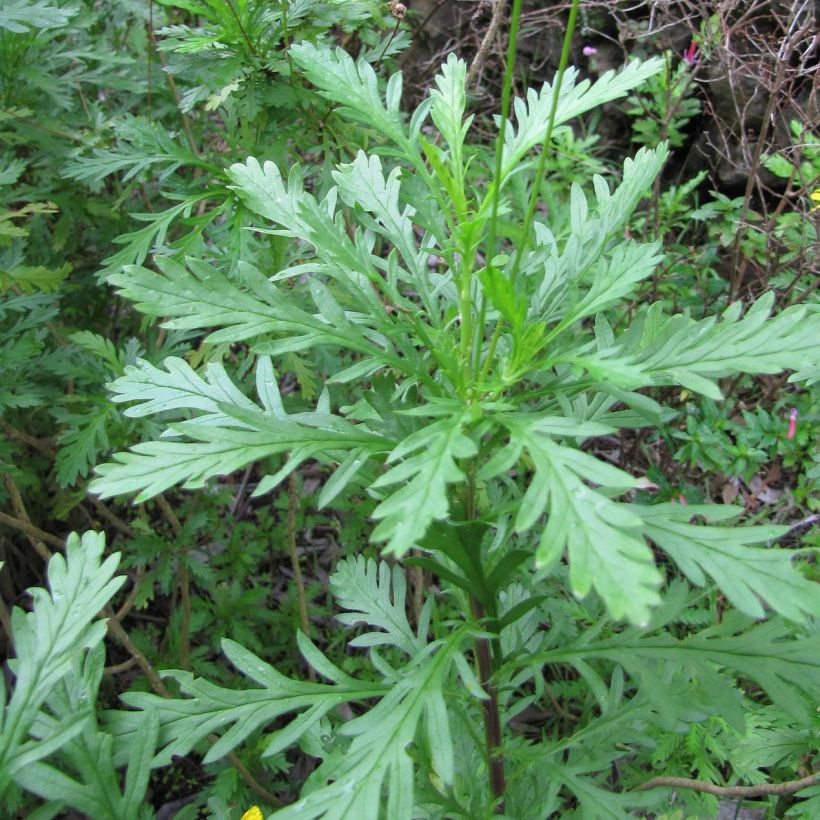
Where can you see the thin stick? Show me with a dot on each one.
(481, 55)
(186, 123)
(35, 443)
(242, 28)
(111, 517)
(542, 160)
(38, 537)
(789, 787)
(120, 667)
(506, 92)
(129, 602)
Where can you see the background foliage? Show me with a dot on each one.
(239, 260)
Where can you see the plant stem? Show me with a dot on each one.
(242, 28)
(492, 717)
(506, 92)
(186, 123)
(493, 736)
(542, 160)
(539, 176)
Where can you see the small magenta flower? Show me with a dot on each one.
(589, 51)
(792, 424)
(690, 56)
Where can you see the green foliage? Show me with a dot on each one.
(348, 782)
(477, 393)
(367, 305)
(665, 105)
(51, 712)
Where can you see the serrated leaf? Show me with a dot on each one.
(18, 16)
(363, 183)
(680, 350)
(353, 85)
(449, 102)
(33, 278)
(229, 432)
(532, 115)
(348, 786)
(49, 639)
(427, 463)
(85, 438)
(787, 668)
(746, 575)
(211, 708)
(605, 549)
(375, 595)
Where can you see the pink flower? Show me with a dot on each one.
(589, 51)
(792, 423)
(690, 56)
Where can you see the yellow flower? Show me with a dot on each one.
(253, 813)
(814, 196)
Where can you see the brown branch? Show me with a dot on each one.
(186, 123)
(168, 512)
(128, 604)
(117, 631)
(481, 56)
(41, 445)
(120, 667)
(789, 787)
(39, 538)
(111, 517)
(493, 734)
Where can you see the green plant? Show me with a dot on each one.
(92, 127)
(662, 109)
(480, 377)
(51, 713)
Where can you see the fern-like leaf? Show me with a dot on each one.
(427, 464)
(602, 537)
(230, 433)
(746, 575)
(47, 640)
(364, 589)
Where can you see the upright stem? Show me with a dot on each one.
(492, 717)
(506, 93)
(242, 29)
(542, 160)
(493, 736)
